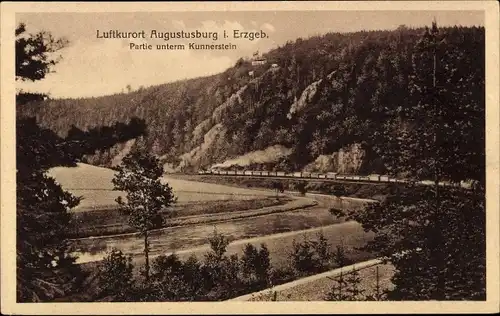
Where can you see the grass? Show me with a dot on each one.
(95, 186)
(317, 290)
(113, 221)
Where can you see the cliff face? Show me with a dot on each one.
(348, 160)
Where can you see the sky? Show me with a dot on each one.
(92, 66)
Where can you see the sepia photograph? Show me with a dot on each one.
(294, 152)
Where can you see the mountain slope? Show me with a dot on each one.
(325, 99)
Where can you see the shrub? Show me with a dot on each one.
(194, 277)
(301, 187)
(311, 255)
(339, 256)
(256, 264)
(115, 276)
(347, 288)
(281, 275)
(167, 282)
(221, 272)
(303, 256)
(322, 249)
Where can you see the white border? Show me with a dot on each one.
(8, 304)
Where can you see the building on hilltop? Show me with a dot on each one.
(258, 60)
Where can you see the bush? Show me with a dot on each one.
(256, 264)
(339, 256)
(303, 256)
(301, 187)
(339, 190)
(322, 249)
(281, 275)
(347, 288)
(174, 280)
(115, 276)
(222, 272)
(311, 255)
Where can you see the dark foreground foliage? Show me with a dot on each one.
(216, 277)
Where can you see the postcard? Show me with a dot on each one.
(247, 157)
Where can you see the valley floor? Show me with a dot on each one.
(278, 226)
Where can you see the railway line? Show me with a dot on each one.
(324, 177)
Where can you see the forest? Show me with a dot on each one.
(328, 92)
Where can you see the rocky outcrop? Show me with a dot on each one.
(348, 160)
(201, 154)
(305, 98)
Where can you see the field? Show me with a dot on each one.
(95, 186)
(113, 221)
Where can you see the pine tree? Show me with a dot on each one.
(139, 176)
(45, 267)
(337, 292)
(422, 229)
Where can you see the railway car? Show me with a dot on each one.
(331, 175)
(247, 173)
(297, 174)
(289, 175)
(280, 173)
(265, 173)
(384, 178)
(231, 172)
(239, 172)
(322, 176)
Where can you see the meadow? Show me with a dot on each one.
(94, 185)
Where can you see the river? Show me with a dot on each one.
(187, 237)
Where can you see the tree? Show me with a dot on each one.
(423, 229)
(115, 276)
(278, 187)
(167, 279)
(256, 264)
(45, 267)
(35, 58)
(222, 278)
(302, 187)
(35, 53)
(139, 176)
(346, 288)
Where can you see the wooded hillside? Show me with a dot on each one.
(327, 93)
